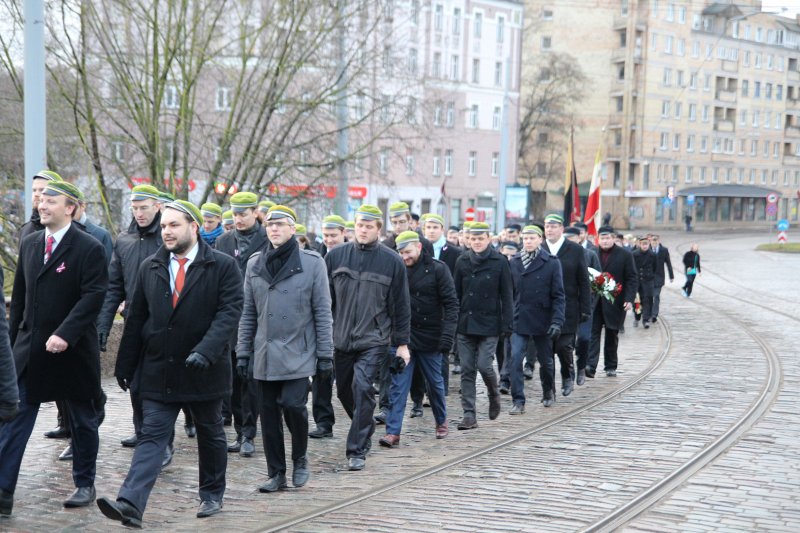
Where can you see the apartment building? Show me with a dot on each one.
(694, 106)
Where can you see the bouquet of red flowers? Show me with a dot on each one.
(604, 284)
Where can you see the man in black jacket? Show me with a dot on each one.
(485, 292)
(576, 291)
(645, 261)
(584, 333)
(58, 291)
(662, 259)
(434, 316)
(371, 311)
(175, 345)
(248, 237)
(133, 246)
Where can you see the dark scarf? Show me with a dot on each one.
(277, 257)
(245, 238)
(36, 220)
(477, 259)
(604, 255)
(211, 236)
(528, 257)
(155, 224)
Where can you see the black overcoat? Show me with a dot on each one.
(621, 266)
(434, 306)
(538, 294)
(486, 295)
(663, 259)
(449, 255)
(576, 283)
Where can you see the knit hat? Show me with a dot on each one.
(243, 200)
(405, 238)
(433, 217)
(479, 227)
(48, 175)
(333, 222)
(531, 229)
(369, 212)
(54, 188)
(398, 208)
(349, 225)
(145, 192)
(210, 209)
(166, 197)
(264, 205)
(300, 230)
(188, 208)
(605, 230)
(227, 218)
(554, 218)
(281, 211)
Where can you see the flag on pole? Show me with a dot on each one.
(593, 217)
(572, 198)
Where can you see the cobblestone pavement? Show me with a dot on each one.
(562, 478)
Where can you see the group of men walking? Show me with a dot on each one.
(232, 323)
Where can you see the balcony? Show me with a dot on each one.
(792, 132)
(793, 75)
(726, 96)
(620, 22)
(619, 55)
(791, 159)
(725, 126)
(729, 66)
(615, 120)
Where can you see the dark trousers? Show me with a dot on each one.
(563, 348)
(83, 419)
(321, 401)
(476, 355)
(582, 344)
(645, 291)
(355, 374)
(283, 400)
(417, 388)
(385, 381)
(656, 299)
(504, 359)
(63, 414)
(158, 424)
(430, 366)
(138, 415)
(547, 366)
(689, 283)
(609, 346)
(244, 404)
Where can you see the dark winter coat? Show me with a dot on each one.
(157, 338)
(426, 244)
(369, 294)
(486, 295)
(130, 251)
(662, 259)
(575, 276)
(33, 225)
(9, 394)
(539, 300)
(62, 297)
(691, 260)
(434, 305)
(645, 264)
(621, 266)
(450, 255)
(102, 235)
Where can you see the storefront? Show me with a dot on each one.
(729, 204)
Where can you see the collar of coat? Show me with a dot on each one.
(290, 268)
(541, 258)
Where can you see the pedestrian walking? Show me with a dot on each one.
(175, 346)
(662, 260)
(691, 265)
(434, 316)
(285, 344)
(212, 223)
(60, 281)
(371, 311)
(485, 292)
(584, 333)
(645, 261)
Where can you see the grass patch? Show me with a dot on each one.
(787, 247)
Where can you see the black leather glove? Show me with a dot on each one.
(103, 340)
(397, 365)
(324, 368)
(554, 332)
(585, 317)
(242, 365)
(198, 361)
(123, 383)
(8, 411)
(445, 347)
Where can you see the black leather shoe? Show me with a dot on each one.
(66, 455)
(209, 508)
(228, 421)
(456, 369)
(236, 445)
(527, 372)
(548, 399)
(468, 422)
(321, 433)
(275, 483)
(589, 373)
(130, 442)
(566, 390)
(248, 448)
(504, 388)
(300, 474)
(517, 409)
(6, 503)
(416, 411)
(356, 463)
(121, 511)
(191, 431)
(380, 418)
(59, 433)
(169, 451)
(82, 497)
(581, 378)
(611, 373)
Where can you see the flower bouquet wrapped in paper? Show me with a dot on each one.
(604, 284)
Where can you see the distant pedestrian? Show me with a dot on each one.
(212, 222)
(645, 261)
(691, 263)
(662, 260)
(688, 220)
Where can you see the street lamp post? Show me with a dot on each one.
(34, 99)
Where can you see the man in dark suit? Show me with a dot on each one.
(618, 262)
(188, 298)
(576, 292)
(58, 291)
(662, 259)
(584, 333)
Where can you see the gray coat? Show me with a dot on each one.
(286, 323)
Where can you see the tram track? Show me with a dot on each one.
(662, 355)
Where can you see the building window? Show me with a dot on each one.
(695, 49)
(668, 45)
(476, 71)
(448, 162)
(667, 79)
(743, 117)
(664, 141)
(473, 116)
(693, 80)
(223, 101)
(692, 112)
(496, 117)
(501, 29)
(681, 47)
(704, 144)
(665, 109)
(742, 146)
(412, 60)
(753, 147)
(670, 12)
(690, 143)
(456, 21)
(414, 12)
(654, 42)
(688, 175)
(678, 110)
(437, 113)
(681, 81)
(171, 97)
(745, 87)
(498, 73)
(547, 14)
(676, 141)
(471, 163)
(706, 110)
(477, 25)
(387, 59)
(437, 157)
(779, 92)
(756, 115)
(495, 164)
(383, 161)
(118, 151)
(454, 67)
(707, 83)
(682, 15)
(411, 110)
(547, 42)
(451, 114)
(410, 164)
(714, 175)
(438, 18)
(436, 68)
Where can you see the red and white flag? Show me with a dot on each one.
(593, 217)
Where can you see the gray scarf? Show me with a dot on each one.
(527, 258)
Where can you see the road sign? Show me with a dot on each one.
(772, 209)
(690, 199)
(469, 214)
(772, 198)
(783, 224)
(782, 237)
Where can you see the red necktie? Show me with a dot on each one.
(48, 250)
(179, 278)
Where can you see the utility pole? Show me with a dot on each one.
(34, 97)
(342, 197)
(505, 146)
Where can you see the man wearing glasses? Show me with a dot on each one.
(142, 239)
